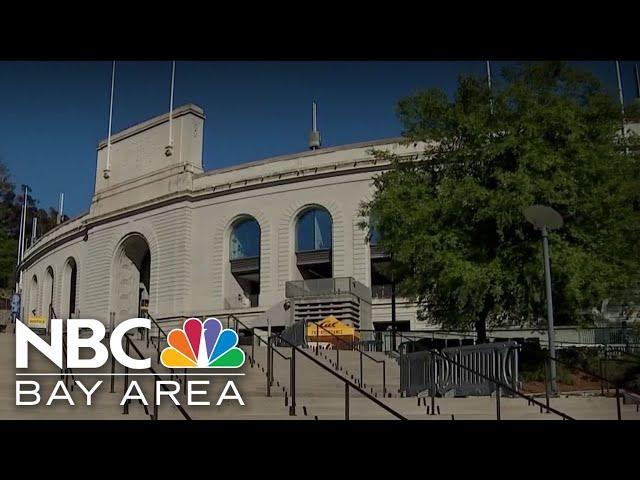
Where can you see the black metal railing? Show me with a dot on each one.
(382, 340)
(347, 384)
(547, 380)
(420, 370)
(292, 369)
(160, 334)
(269, 343)
(154, 416)
(499, 386)
(617, 384)
(353, 346)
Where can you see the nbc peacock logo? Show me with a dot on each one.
(198, 345)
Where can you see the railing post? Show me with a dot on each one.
(317, 339)
(384, 378)
(601, 378)
(337, 357)
(618, 401)
(158, 348)
(113, 371)
(546, 382)
(155, 400)
(346, 401)
(497, 401)
(273, 368)
(433, 383)
(361, 378)
(269, 347)
(126, 376)
(292, 382)
(253, 343)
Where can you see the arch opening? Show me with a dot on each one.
(69, 289)
(244, 259)
(131, 288)
(314, 243)
(47, 293)
(381, 282)
(33, 308)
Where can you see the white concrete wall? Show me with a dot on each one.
(188, 234)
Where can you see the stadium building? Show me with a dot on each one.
(273, 240)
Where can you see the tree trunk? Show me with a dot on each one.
(481, 330)
(481, 323)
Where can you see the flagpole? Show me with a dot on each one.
(107, 170)
(489, 83)
(19, 253)
(169, 149)
(23, 221)
(621, 95)
(489, 74)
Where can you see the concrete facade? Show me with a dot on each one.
(185, 217)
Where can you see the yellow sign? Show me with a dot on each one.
(325, 329)
(37, 322)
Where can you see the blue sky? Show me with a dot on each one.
(52, 114)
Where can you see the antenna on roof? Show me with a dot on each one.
(314, 136)
(169, 150)
(60, 207)
(107, 170)
(34, 229)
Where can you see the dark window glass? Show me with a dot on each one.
(245, 239)
(313, 231)
(374, 235)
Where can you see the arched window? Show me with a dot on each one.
(243, 286)
(69, 288)
(381, 283)
(314, 243)
(313, 230)
(245, 239)
(48, 292)
(374, 235)
(33, 308)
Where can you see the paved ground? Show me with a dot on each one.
(318, 394)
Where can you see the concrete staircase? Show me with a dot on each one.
(319, 394)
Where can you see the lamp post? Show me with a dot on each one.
(545, 219)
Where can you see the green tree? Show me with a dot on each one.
(453, 223)
(10, 211)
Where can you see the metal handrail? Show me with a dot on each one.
(270, 350)
(577, 369)
(629, 354)
(251, 329)
(362, 353)
(160, 331)
(153, 320)
(501, 385)
(618, 385)
(156, 377)
(549, 357)
(347, 383)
